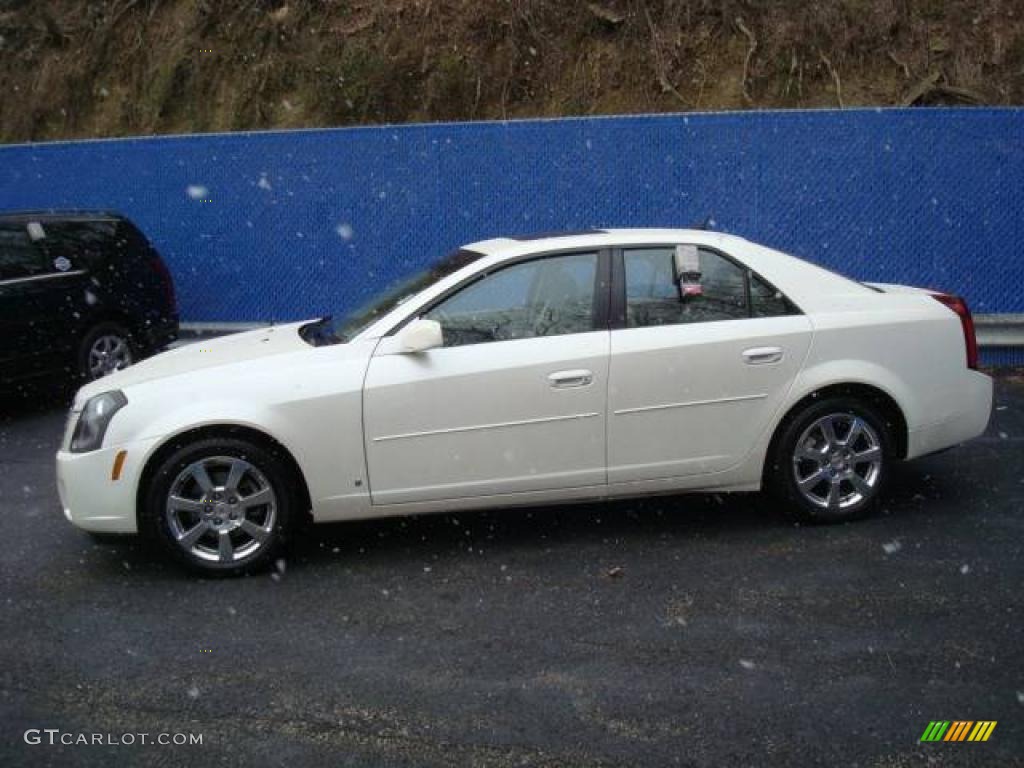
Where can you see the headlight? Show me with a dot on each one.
(96, 416)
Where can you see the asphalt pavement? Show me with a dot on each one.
(693, 630)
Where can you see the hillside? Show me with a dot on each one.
(70, 68)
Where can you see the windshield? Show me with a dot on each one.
(339, 330)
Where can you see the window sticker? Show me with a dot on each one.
(36, 231)
(687, 265)
(61, 264)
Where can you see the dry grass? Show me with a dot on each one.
(71, 68)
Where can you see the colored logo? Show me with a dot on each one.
(958, 730)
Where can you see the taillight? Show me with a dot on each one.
(958, 305)
(165, 280)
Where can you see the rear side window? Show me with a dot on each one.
(86, 244)
(699, 285)
(765, 301)
(19, 256)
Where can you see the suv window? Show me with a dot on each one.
(717, 289)
(544, 297)
(19, 256)
(85, 243)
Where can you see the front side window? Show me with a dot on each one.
(19, 256)
(670, 286)
(544, 297)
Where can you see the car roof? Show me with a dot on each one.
(504, 247)
(810, 286)
(54, 214)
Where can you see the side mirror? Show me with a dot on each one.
(419, 336)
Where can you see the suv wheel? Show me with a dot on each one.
(221, 505)
(105, 349)
(831, 460)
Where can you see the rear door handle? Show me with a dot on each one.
(762, 355)
(567, 379)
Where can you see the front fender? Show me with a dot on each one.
(314, 411)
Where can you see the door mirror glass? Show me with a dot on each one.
(419, 336)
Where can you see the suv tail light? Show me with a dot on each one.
(164, 275)
(958, 305)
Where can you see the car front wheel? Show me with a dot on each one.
(832, 459)
(105, 349)
(220, 505)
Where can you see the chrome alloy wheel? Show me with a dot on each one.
(221, 509)
(107, 354)
(837, 462)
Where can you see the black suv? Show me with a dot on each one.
(81, 294)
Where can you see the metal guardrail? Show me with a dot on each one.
(993, 330)
(1000, 330)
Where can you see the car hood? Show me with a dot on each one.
(200, 355)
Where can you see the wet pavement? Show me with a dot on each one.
(692, 630)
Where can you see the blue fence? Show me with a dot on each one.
(287, 225)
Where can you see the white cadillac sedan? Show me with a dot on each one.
(532, 370)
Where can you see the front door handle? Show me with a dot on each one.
(574, 378)
(762, 355)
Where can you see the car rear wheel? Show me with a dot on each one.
(220, 505)
(105, 349)
(831, 460)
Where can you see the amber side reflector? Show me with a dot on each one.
(115, 473)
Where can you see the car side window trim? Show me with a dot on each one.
(603, 285)
(617, 314)
(37, 278)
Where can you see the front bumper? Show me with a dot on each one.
(976, 397)
(91, 498)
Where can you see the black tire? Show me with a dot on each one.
(784, 468)
(156, 521)
(95, 335)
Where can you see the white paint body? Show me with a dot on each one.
(380, 431)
